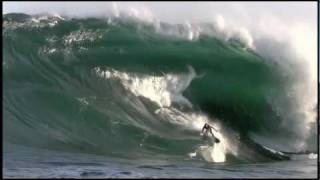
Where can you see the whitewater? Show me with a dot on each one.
(127, 94)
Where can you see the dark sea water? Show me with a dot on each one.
(27, 162)
(117, 97)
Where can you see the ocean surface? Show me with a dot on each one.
(27, 162)
(122, 97)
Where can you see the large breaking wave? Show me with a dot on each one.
(125, 87)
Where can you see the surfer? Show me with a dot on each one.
(208, 129)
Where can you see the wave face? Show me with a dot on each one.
(122, 87)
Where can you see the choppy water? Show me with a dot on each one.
(35, 163)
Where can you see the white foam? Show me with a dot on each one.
(82, 35)
(83, 101)
(313, 156)
(215, 153)
(140, 13)
(163, 90)
(293, 48)
(220, 22)
(115, 10)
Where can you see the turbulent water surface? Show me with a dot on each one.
(120, 97)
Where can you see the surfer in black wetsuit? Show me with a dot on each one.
(208, 129)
